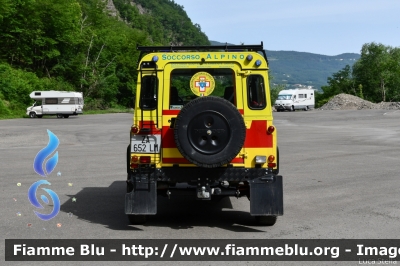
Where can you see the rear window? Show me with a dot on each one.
(188, 84)
(256, 92)
(149, 93)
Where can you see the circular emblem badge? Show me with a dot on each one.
(202, 84)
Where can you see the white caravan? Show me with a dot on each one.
(291, 100)
(60, 103)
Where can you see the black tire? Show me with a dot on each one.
(39, 116)
(129, 186)
(66, 116)
(137, 219)
(276, 171)
(60, 116)
(266, 220)
(32, 114)
(209, 132)
(292, 108)
(128, 159)
(306, 109)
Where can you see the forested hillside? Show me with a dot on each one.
(78, 45)
(373, 75)
(289, 67)
(90, 46)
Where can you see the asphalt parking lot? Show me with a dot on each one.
(340, 171)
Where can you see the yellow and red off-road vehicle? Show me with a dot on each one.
(203, 117)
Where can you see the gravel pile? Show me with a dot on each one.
(389, 106)
(350, 102)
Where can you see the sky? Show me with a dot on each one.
(328, 27)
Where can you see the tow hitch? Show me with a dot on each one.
(203, 190)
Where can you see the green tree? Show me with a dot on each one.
(76, 45)
(274, 88)
(5, 8)
(15, 86)
(36, 33)
(108, 64)
(377, 71)
(165, 21)
(340, 82)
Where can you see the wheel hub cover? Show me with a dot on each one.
(209, 132)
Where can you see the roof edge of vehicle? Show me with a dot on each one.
(54, 94)
(202, 48)
(294, 90)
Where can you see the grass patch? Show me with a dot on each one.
(12, 116)
(108, 111)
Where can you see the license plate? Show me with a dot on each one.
(146, 143)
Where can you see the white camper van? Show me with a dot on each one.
(294, 99)
(60, 103)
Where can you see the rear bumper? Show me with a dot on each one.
(193, 174)
(260, 185)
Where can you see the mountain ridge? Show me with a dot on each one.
(292, 68)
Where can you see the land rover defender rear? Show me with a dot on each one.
(203, 118)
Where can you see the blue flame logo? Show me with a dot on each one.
(32, 198)
(44, 169)
(44, 153)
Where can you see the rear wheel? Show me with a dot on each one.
(128, 159)
(32, 114)
(59, 116)
(292, 108)
(137, 219)
(266, 220)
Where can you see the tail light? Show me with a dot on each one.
(145, 159)
(134, 165)
(271, 160)
(134, 159)
(134, 129)
(134, 162)
(270, 130)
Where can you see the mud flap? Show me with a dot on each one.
(266, 196)
(142, 199)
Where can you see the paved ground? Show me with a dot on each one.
(340, 170)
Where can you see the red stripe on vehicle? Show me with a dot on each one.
(170, 112)
(168, 140)
(176, 112)
(237, 160)
(257, 137)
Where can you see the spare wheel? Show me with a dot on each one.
(209, 131)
